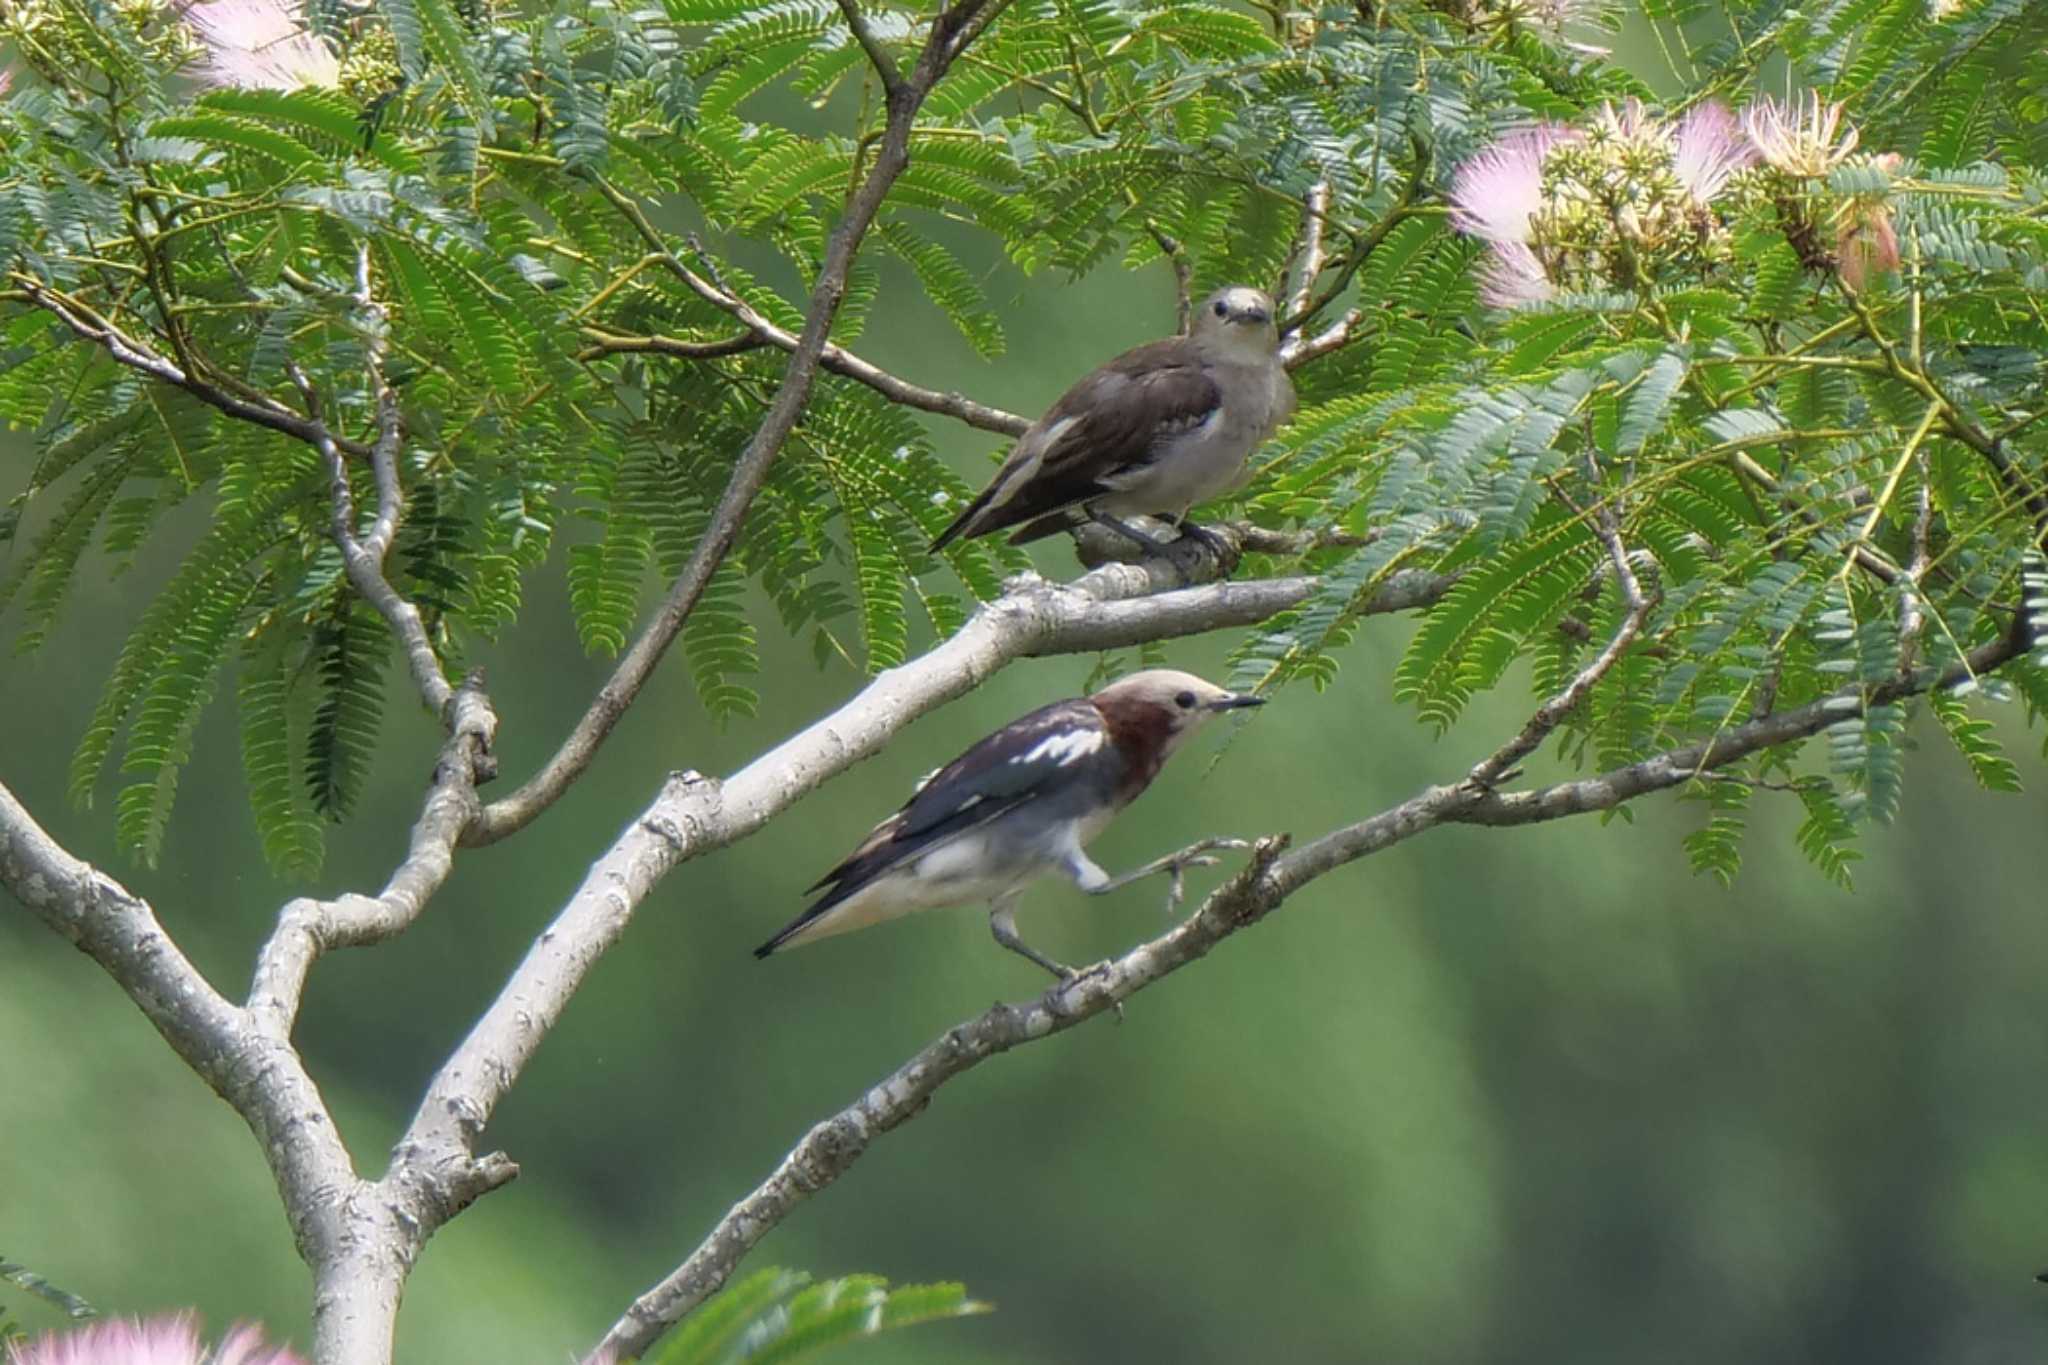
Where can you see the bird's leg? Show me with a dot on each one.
(1175, 864)
(1129, 532)
(1203, 537)
(1004, 928)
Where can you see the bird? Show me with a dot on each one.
(1155, 431)
(1020, 805)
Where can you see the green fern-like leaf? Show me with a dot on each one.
(1644, 408)
(721, 647)
(775, 1316)
(1716, 847)
(285, 820)
(948, 285)
(242, 529)
(350, 650)
(1973, 739)
(167, 712)
(1827, 835)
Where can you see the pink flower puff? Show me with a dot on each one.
(260, 44)
(172, 1339)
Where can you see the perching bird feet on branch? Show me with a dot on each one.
(1176, 864)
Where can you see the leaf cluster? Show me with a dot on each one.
(558, 214)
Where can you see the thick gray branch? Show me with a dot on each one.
(258, 1074)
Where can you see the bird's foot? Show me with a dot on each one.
(1204, 537)
(1149, 543)
(1096, 969)
(1176, 865)
(1201, 553)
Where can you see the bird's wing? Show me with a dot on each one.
(995, 776)
(1109, 423)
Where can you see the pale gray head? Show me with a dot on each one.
(1163, 706)
(1237, 317)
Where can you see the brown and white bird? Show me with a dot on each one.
(1155, 431)
(1020, 805)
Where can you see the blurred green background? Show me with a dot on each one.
(1531, 1095)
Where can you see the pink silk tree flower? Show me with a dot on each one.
(1708, 147)
(1802, 137)
(1493, 197)
(169, 1340)
(1512, 276)
(1499, 188)
(260, 44)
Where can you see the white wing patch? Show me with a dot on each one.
(1063, 748)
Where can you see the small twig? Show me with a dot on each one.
(1183, 276)
(1912, 606)
(1500, 764)
(834, 357)
(125, 350)
(1300, 350)
(884, 64)
(1315, 213)
(604, 343)
(308, 928)
(362, 557)
(390, 431)
(1912, 450)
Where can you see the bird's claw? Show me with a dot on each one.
(1073, 976)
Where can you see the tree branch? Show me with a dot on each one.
(258, 1074)
(1500, 765)
(1315, 213)
(1113, 607)
(884, 64)
(363, 555)
(760, 330)
(950, 30)
(604, 343)
(308, 928)
(832, 1146)
(125, 350)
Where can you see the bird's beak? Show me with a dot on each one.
(1236, 701)
(1257, 317)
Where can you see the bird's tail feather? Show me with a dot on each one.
(811, 914)
(961, 523)
(1062, 520)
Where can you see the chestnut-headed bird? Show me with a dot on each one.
(1155, 431)
(1020, 805)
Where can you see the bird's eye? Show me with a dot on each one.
(1222, 309)
(1186, 700)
